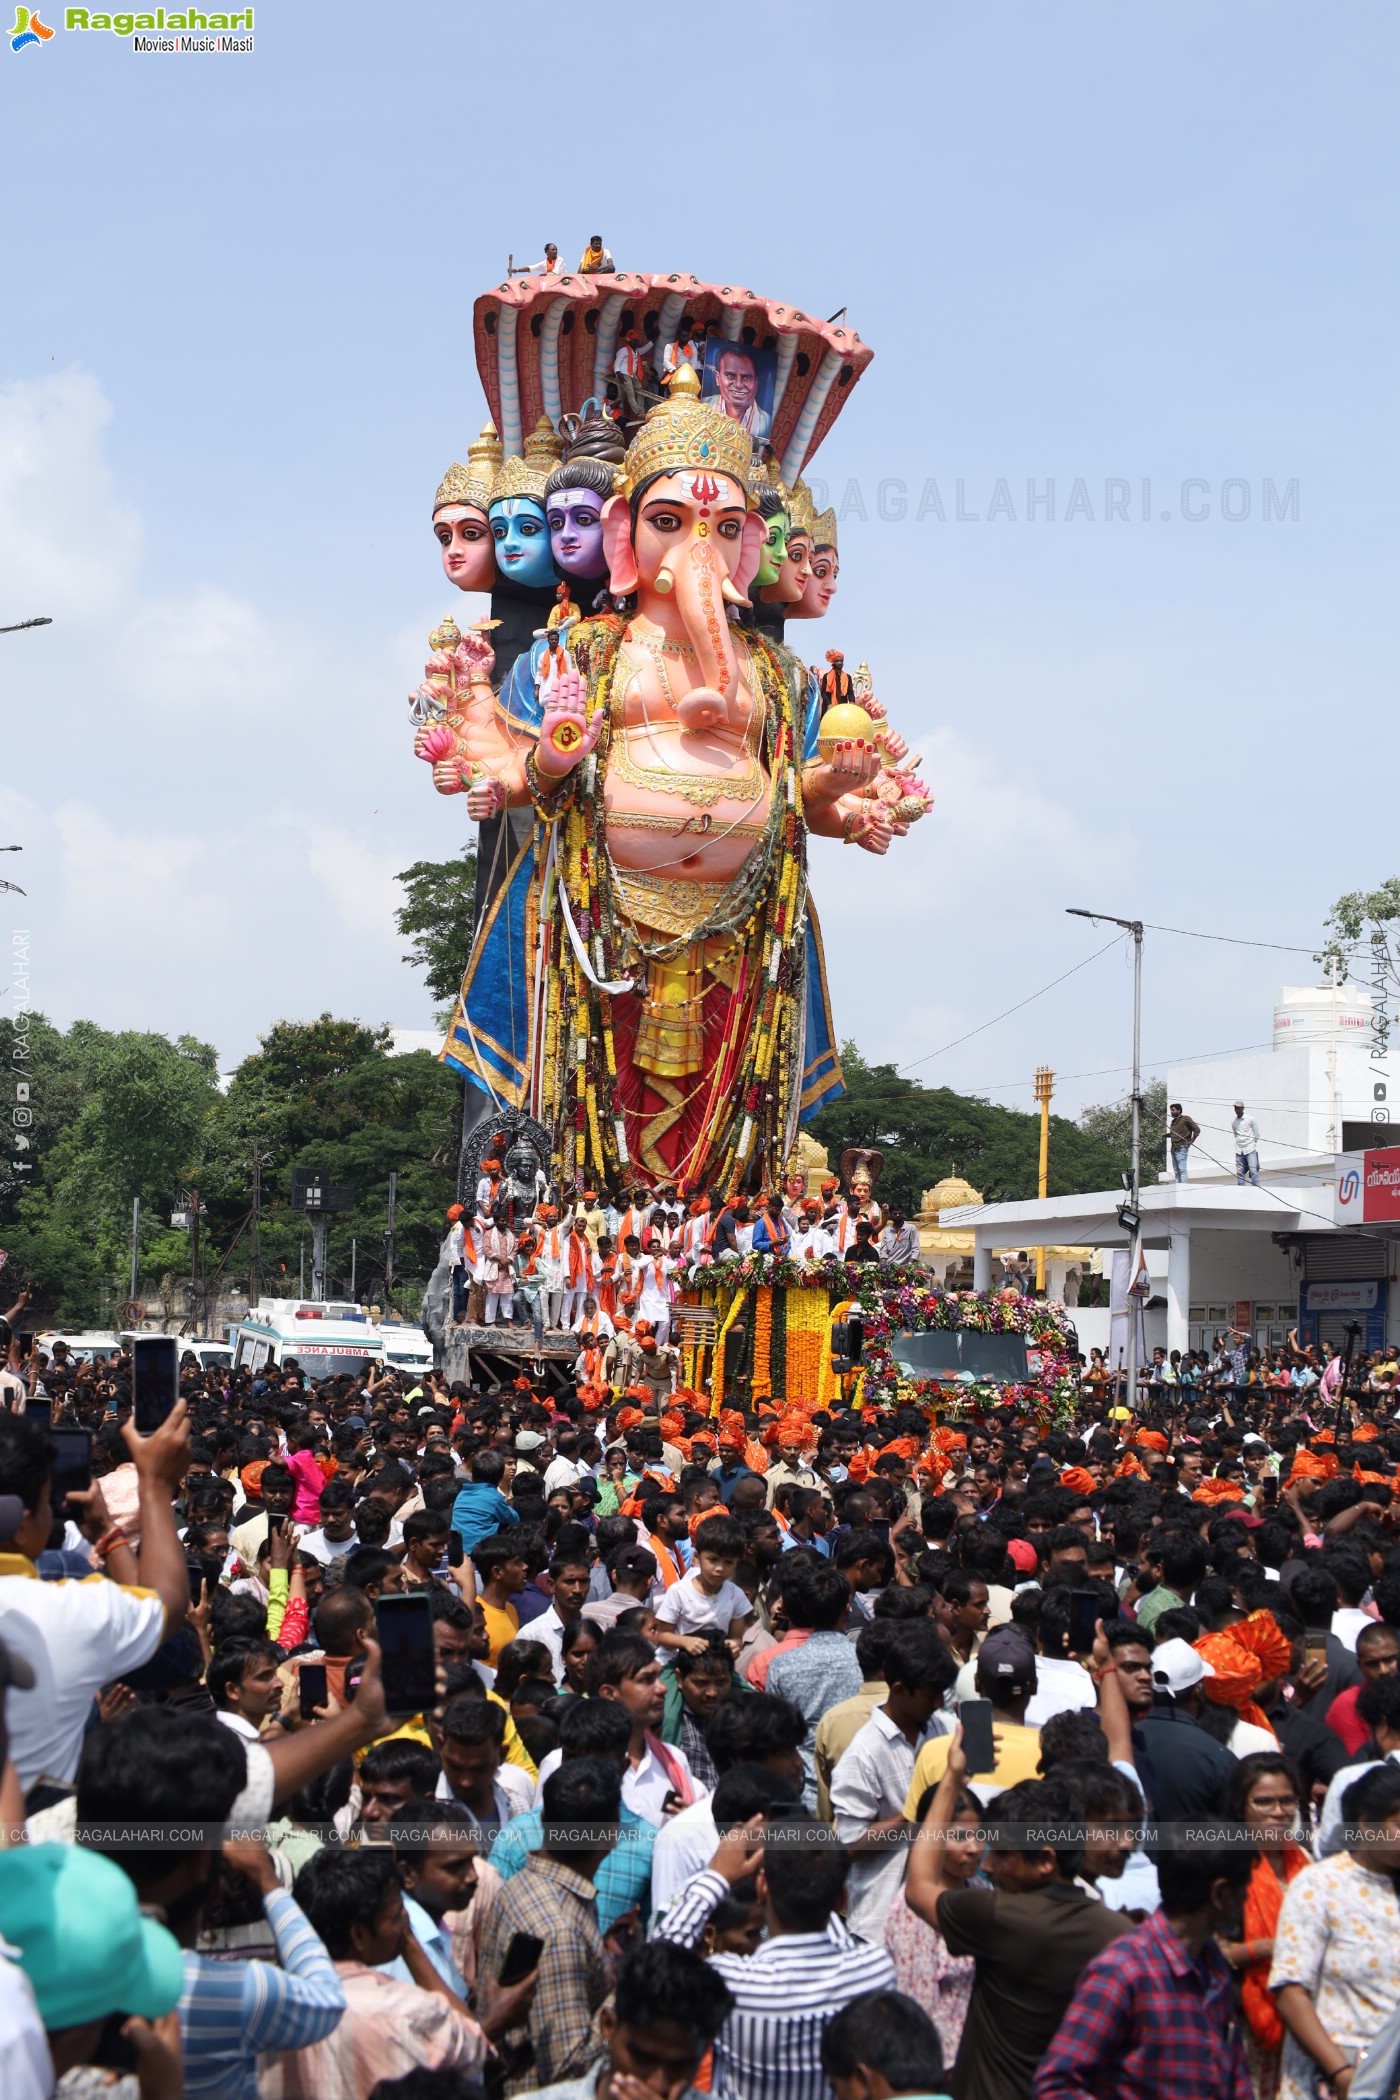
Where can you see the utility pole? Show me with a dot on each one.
(261, 1159)
(253, 1236)
(354, 1248)
(135, 1228)
(1130, 1213)
(389, 1244)
(1044, 1088)
(301, 1266)
(320, 1229)
(193, 1201)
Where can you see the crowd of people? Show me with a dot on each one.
(776, 1753)
(1233, 1369)
(616, 1266)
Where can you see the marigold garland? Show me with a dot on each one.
(761, 1385)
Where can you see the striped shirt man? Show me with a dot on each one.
(231, 2010)
(770, 2046)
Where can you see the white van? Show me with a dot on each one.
(406, 1348)
(324, 1340)
(81, 1346)
(209, 1355)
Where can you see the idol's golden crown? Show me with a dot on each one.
(472, 483)
(682, 434)
(824, 529)
(800, 509)
(544, 448)
(518, 478)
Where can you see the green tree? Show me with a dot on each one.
(120, 1115)
(1110, 1123)
(116, 1116)
(327, 1094)
(1367, 920)
(927, 1133)
(440, 897)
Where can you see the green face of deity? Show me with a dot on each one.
(770, 557)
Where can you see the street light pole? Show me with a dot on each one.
(1044, 1089)
(1132, 1209)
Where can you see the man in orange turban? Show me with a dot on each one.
(1238, 1675)
(1078, 1479)
(793, 1438)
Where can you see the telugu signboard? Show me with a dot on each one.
(1368, 1188)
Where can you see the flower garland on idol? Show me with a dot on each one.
(755, 1076)
(891, 1301)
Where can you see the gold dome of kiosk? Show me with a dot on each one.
(952, 1193)
(946, 1251)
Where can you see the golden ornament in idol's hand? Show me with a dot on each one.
(843, 724)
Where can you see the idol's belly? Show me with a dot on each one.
(651, 829)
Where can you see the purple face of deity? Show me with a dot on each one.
(576, 532)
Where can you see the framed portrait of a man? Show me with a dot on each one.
(739, 381)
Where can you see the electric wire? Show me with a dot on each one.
(1028, 1001)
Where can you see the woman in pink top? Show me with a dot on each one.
(306, 1507)
(924, 1969)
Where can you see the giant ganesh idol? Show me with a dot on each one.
(646, 976)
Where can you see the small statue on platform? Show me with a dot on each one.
(526, 1180)
(860, 1170)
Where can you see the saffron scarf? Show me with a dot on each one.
(582, 1270)
(1262, 1905)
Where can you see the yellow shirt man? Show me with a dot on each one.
(502, 1624)
(1018, 1757)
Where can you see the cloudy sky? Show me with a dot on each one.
(1088, 244)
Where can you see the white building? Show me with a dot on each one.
(1261, 1259)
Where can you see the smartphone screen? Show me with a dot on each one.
(1315, 1644)
(311, 1682)
(25, 1344)
(405, 1628)
(521, 1958)
(1084, 1612)
(978, 1747)
(155, 1379)
(72, 1466)
(39, 1408)
(455, 1551)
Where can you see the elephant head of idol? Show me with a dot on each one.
(681, 535)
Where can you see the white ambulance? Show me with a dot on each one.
(323, 1340)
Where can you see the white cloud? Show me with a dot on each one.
(929, 942)
(68, 546)
(207, 794)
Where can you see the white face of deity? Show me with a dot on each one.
(468, 558)
(825, 570)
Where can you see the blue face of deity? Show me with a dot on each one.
(576, 532)
(522, 542)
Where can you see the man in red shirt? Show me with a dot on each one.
(1377, 1656)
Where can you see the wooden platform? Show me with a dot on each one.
(498, 1354)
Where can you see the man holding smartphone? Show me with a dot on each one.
(78, 1636)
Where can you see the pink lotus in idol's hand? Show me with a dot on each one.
(435, 743)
